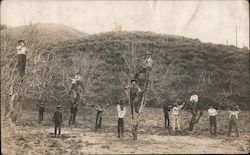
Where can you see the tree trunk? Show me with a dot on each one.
(134, 131)
(192, 123)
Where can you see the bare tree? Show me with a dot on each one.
(14, 88)
(131, 60)
(92, 70)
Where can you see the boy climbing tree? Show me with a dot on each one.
(194, 97)
(134, 89)
(147, 66)
(76, 81)
(21, 54)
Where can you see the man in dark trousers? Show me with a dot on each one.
(147, 66)
(99, 110)
(21, 54)
(73, 114)
(133, 93)
(233, 117)
(166, 109)
(41, 110)
(121, 111)
(212, 112)
(58, 120)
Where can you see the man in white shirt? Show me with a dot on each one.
(212, 119)
(21, 54)
(147, 65)
(176, 117)
(121, 111)
(194, 97)
(233, 117)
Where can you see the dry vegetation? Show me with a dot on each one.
(218, 73)
(30, 137)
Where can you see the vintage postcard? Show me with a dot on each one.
(124, 77)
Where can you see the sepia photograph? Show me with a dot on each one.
(124, 77)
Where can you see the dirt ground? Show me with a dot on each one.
(153, 138)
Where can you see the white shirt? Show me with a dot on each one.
(21, 50)
(212, 112)
(233, 113)
(77, 78)
(176, 110)
(194, 98)
(121, 113)
(148, 62)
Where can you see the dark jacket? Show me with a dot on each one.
(41, 109)
(166, 109)
(58, 117)
(73, 110)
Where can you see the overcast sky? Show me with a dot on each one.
(210, 21)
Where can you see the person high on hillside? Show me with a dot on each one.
(147, 66)
(176, 117)
(98, 122)
(212, 119)
(194, 97)
(76, 81)
(134, 89)
(121, 111)
(233, 117)
(21, 55)
(73, 112)
(57, 120)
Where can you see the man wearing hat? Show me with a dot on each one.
(147, 65)
(58, 120)
(166, 109)
(21, 53)
(121, 111)
(212, 119)
(134, 89)
(175, 116)
(233, 117)
(40, 111)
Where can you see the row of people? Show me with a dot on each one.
(212, 112)
(121, 112)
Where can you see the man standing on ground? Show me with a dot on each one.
(99, 110)
(58, 120)
(233, 117)
(166, 109)
(40, 111)
(212, 119)
(73, 112)
(21, 54)
(176, 117)
(121, 111)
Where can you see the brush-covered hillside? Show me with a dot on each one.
(217, 72)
